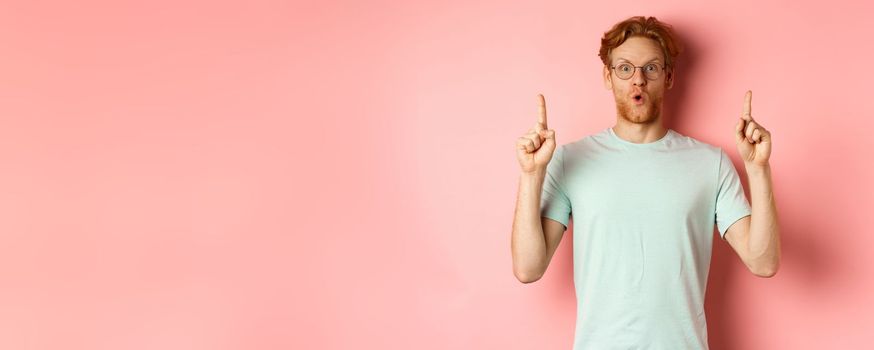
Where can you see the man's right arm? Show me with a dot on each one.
(534, 238)
(533, 241)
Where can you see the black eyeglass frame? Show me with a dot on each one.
(662, 71)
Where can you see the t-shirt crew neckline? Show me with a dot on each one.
(655, 143)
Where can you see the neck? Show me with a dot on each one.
(639, 133)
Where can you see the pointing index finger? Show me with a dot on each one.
(747, 102)
(542, 107)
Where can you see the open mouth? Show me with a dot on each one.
(638, 98)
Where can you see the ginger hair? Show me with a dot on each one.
(647, 27)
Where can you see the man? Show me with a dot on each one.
(644, 200)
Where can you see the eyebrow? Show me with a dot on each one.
(650, 60)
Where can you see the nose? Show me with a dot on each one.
(638, 79)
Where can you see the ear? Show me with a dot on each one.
(669, 78)
(608, 78)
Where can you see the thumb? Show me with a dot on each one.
(548, 134)
(738, 131)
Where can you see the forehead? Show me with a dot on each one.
(638, 49)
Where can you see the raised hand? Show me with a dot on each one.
(534, 149)
(753, 141)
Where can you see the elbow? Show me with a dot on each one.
(527, 276)
(766, 266)
(766, 271)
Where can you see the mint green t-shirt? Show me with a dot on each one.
(643, 219)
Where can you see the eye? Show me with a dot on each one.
(652, 67)
(625, 67)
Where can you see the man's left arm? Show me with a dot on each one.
(756, 238)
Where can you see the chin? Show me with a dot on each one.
(641, 120)
(645, 115)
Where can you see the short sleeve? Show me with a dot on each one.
(554, 202)
(731, 203)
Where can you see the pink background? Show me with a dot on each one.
(327, 175)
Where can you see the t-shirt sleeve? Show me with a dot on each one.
(731, 203)
(554, 202)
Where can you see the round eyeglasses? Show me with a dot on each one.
(625, 71)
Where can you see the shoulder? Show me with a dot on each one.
(691, 144)
(586, 143)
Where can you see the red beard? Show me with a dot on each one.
(647, 113)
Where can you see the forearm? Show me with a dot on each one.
(764, 241)
(528, 243)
